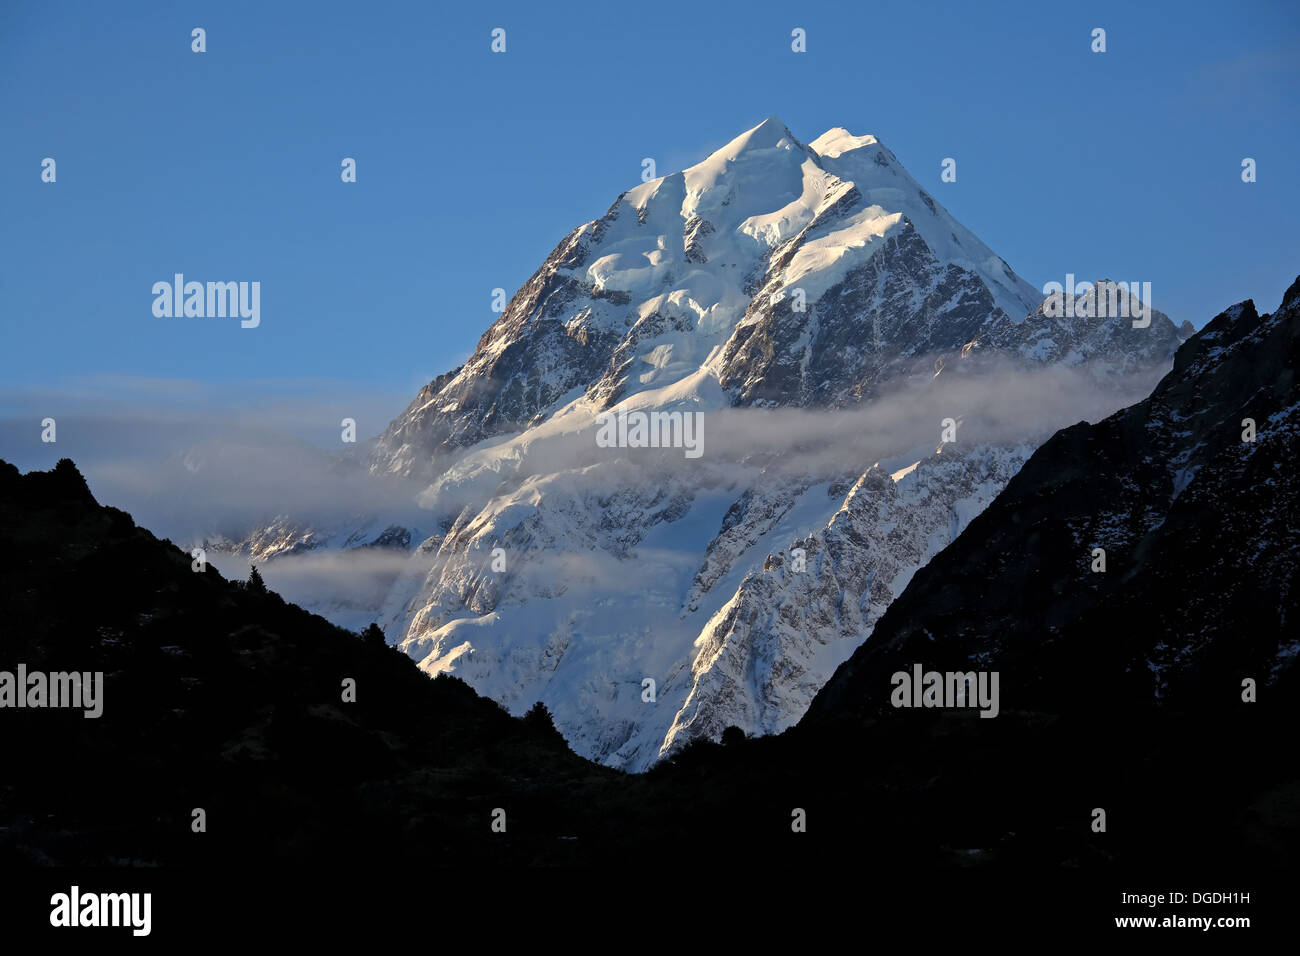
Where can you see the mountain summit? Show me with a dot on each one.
(699, 272)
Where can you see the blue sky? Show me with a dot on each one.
(472, 165)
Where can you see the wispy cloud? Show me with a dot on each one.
(192, 462)
(187, 458)
(999, 404)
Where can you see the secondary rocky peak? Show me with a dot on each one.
(837, 141)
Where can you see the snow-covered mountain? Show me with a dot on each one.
(698, 272)
(823, 314)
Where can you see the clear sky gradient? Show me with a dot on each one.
(472, 165)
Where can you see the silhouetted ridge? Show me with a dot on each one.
(221, 698)
(1201, 532)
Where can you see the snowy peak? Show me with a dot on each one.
(772, 272)
(837, 141)
(769, 134)
(760, 168)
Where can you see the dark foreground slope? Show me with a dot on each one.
(221, 698)
(1119, 691)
